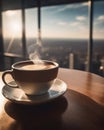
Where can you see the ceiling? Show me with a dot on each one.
(17, 4)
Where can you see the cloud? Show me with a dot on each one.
(81, 18)
(62, 23)
(100, 18)
(74, 24)
(79, 27)
(71, 24)
(72, 6)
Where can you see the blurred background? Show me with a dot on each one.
(70, 32)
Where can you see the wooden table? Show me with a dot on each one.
(80, 108)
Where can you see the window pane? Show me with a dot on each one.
(98, 48)
(31, 29)
(12, 32)
(65, 34)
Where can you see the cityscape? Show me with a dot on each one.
(69, 53)
(64, 32)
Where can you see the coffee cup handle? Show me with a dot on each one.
(12, 83)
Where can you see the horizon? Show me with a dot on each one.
(50, 38)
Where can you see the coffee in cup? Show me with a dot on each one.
(33, 78)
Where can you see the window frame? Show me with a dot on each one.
(24, 55)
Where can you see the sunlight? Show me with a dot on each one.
(10, 13)
(15, 27)
(15, 30)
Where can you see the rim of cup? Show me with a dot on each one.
(56, 65)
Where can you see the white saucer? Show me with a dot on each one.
(18, 96)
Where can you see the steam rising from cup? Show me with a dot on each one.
(35, 57)
(34, 52)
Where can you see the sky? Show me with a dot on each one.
(65, 21)
(72, 21)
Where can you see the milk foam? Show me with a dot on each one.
(37, 67)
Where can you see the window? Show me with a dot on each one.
(98, 37)
(31, 29)
(12, 32)
(65, 34)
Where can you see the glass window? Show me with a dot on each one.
(98, 35)
(64, 31)
(65, 34)
(31, 29)
(12, 32)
